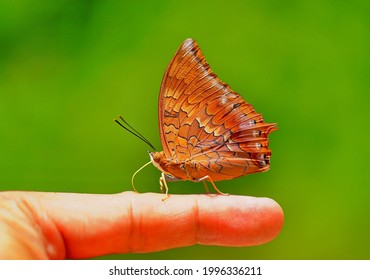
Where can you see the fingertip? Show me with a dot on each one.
(240, 221)
(272, 218)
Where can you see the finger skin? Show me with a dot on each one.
(88, 225)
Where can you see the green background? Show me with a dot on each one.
(67, 68)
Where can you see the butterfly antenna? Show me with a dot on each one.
(125, 125)
(137, 171)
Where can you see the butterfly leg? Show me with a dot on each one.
(205, 186)
(213, 184)
(163, 185)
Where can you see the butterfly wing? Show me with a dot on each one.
(203, 120)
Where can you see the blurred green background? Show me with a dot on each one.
(67, 68)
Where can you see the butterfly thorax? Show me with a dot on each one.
(184, 170)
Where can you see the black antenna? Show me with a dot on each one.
(133, 131)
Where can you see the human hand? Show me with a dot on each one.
(36, 225)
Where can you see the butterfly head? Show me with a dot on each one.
(158, 159)
(165, 165)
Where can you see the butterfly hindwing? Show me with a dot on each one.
(203, 120)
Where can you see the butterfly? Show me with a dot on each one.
(208, 131)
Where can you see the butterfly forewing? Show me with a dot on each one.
(203, 121)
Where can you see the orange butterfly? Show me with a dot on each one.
(208, 132)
